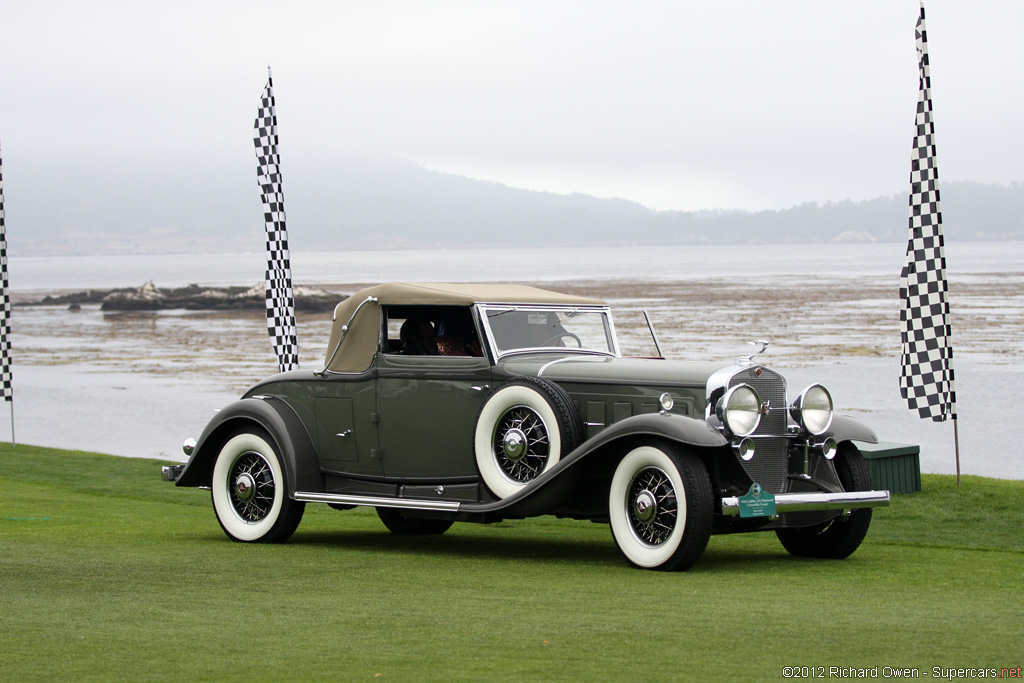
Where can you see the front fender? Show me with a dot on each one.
(541, 494)
(846, 428)
(687, 430)
(292, 441)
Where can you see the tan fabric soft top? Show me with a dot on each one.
(356, 352)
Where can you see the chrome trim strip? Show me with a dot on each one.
(577, 356)
(376, 501)
(809, 502)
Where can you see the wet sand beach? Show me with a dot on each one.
(139, 383)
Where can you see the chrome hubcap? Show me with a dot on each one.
(514, 445)
(645, 506)
(245, 487)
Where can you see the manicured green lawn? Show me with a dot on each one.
(108, 572)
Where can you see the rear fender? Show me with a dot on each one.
(273, 414)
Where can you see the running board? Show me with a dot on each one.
(375, 501)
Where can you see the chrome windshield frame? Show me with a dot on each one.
(609, 325)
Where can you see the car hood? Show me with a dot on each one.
(580, 368)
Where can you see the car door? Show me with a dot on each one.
(346, 430)
(427, 408)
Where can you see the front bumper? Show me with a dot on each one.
(811, 502)
(171, 472)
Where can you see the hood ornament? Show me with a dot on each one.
(749, 360)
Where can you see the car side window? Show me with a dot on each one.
(431, 331)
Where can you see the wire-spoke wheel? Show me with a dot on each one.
(521, 444)
(248, 490)
(653, 510)
(251, 487)
(523, 429)
(659, 507)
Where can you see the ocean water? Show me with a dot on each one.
(522, 264)
(138, 384)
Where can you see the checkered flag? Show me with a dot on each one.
(280, 302)
(926, 380)
(5, 305)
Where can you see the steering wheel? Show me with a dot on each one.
(559, 336)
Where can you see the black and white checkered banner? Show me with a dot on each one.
(280, 301)
(926, 379)
(5, 303)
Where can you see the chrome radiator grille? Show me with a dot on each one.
(769, 466)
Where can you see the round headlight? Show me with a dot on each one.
(740, 410)
(812, 409)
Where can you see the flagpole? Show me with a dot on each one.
(956, 445)
(5, 314)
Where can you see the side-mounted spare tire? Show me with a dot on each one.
(250, 495)
(523, 429)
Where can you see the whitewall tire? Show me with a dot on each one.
(522, 431)
(249, 493)
(659, 507)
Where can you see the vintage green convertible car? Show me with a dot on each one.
(476, 403)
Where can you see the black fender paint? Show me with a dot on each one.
(678, 428)
(846, 428)
(293, 444)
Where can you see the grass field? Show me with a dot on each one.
(108, 572)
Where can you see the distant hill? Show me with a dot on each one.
(404, 204)
(380, 203)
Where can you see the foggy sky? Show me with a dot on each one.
(675, 105)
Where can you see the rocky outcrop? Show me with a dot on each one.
(145, 298)
(149, 297)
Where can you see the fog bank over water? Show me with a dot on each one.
(387, 204)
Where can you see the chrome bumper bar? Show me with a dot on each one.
(171, 472)
(810, 502)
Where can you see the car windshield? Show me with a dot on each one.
(519, 328)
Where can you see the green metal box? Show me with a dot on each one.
(894, 466)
